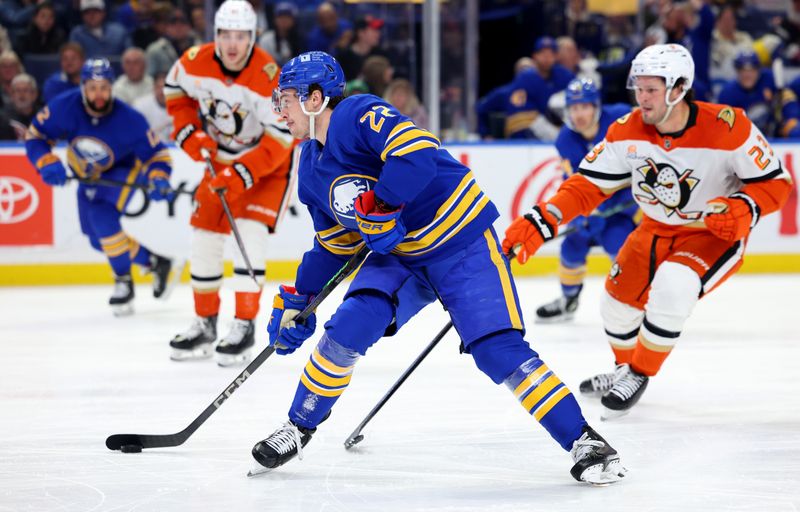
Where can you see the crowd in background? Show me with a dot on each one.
(44, 43)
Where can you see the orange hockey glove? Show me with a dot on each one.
(527, 233)
(192, 140)
(233, 181)
(738, 213)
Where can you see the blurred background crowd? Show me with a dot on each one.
(527, 51)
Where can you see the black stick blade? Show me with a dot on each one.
(117, 441)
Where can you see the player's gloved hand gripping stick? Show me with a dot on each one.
(135, 442)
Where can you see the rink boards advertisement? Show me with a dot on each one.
(41, 239)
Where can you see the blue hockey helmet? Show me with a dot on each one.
(307, 69)
(747, 59)
(97, 69)
(582, 90)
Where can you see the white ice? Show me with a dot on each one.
(718, 428)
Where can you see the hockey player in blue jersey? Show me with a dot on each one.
(369, 175)
(106, 138)
(586, 123)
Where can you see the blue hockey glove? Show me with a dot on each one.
(284, 333)
(53, 172)
(380, 228)
(160, 189)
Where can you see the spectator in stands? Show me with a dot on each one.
(261, 16)
(753, 91)
(555, 76)
(492, 107)
(788, 28)
(135, 13)
(43, 36)
(284, 41)
(691, 24)
(331, 32)
(726, 44)
(10, 66)
(153, 107)
(400, 94)
(71, 56)
(178, 37)
(98, 37)
(569, 57)
(357, 86)
(377, 73)
(365, 44)
(23, 105)
(150, 21)
(15, 15)
(583, 27)
(197, 16)
(5, 41)
(134, 82)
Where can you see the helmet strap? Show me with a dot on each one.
(671, 104)
(312, 115)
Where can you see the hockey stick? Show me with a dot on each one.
(356, 436)
(135, 442)
(231, 221)
(777, 101)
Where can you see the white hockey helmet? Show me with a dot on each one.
(236, 15)
(669, 61)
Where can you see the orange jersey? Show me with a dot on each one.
(234, 109)
(672, 177)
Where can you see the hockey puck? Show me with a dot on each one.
(130, 448)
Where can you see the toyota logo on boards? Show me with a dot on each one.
(18, 200)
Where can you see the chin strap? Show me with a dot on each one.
(670, 105)
(313, 115)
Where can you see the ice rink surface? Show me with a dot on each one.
(717, 429)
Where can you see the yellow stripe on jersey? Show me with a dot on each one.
(339, 240)
(530, 380)
(520, 121)
(551, 402)
(410, 135)
(319, 390)
(416, 146)
(397, 129)
(126, 191)
(505, 281)
(571, 276)
(326, 380)
(539, 392)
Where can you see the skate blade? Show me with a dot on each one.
(196, 354)
(173, 279)
(226, 360)
(120, 310)
(258, 471)
(611, 414)
(567, 317)
(601, 475)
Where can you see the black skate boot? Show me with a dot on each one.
(626, 391)
(237, 346)
(596, 462)
(160, 267)
(196, 342)
(121, 300)
(601, 383)
(280, 447)
(560, 310)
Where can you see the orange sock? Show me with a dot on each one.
(206, 302)
(247, 305)
(623, 355)
(648, 358)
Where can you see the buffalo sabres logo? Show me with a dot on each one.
(225, 119)
(89, 156)
(665, 186)
(344, 191)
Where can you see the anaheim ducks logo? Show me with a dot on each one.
(665, 186)
(225, 119)
(727, 116)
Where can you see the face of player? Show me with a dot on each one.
(233, 46)
(650, 95)
(97, 94)
(582, 116)
(292, 114)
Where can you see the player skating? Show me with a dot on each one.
(220, 97)
(369, 175)
(107, 139)
(683, 161)
(586, 124)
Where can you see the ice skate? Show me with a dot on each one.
(626, 391)
(601, 383)
(196, 342)
(280, 447)
(596, 462)
(166, 274)
(560, 310)
(121, 300)
(237, 346)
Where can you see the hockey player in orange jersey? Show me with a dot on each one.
(703, 176)
(220, 98)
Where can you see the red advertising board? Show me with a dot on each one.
(26, 204)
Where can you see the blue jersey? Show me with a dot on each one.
(756, 102)
(572, 148)
(494, 102)
(370, 145)
(528, 98)
(119, 139)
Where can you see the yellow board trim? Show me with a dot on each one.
(505, 281)
(53, 274)
(550, 403)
